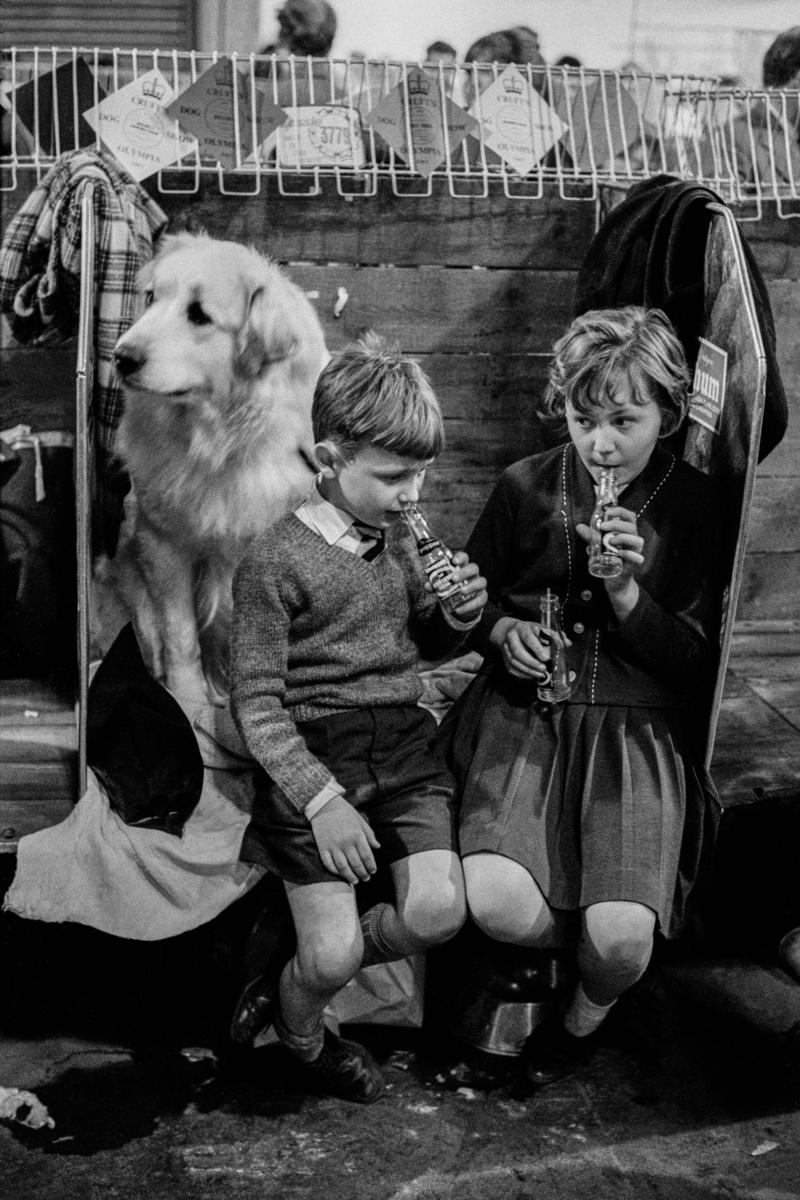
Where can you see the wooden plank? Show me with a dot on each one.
(430, 309)
(756, 746)
(43, 742)
(777, 260)
(773, 516)
(32, 805)
(769, 587)
(768, 639)
(549, 234)
(31, 701)
(487, 387)
(784, 461)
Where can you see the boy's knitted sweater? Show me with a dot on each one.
(318, 630)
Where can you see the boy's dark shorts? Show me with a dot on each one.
(385, 760)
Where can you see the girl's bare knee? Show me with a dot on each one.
(504, 901)
(620, 935)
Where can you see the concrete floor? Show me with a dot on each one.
(695, 1092)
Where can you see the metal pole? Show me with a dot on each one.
(84, 380)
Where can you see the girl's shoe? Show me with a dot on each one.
(345, 1069)
(550, 1053)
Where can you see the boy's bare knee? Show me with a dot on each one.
(327, 964)
(434, 916)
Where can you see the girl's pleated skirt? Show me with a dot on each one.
(597, 802)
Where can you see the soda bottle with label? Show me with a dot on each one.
(604, 562)
(436, 559)
(557, 686)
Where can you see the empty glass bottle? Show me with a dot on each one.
(436, 559)
(557, 686)
(603, 561)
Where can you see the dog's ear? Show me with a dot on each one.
(266, 336)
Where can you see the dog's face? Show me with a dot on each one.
(216, 313)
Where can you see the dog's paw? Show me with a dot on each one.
(188, 686)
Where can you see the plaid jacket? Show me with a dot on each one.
(40, 267)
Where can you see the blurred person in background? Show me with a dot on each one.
(518, 45)
(440, 62)
(441, 52)
(306, 29)
(765, 138)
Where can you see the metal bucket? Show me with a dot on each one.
(501, 1026)
(500, 1010)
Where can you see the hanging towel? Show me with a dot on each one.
(40, 281)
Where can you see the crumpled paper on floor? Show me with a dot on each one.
(25, 1108)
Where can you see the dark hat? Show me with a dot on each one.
(140, 742)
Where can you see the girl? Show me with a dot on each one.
(585, 819)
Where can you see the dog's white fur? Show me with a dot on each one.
(218, 375)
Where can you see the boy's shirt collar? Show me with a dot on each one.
(330, 522)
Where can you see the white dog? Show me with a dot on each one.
(218, 376)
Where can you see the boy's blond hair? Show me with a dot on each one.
(605, 344)
(370, 394)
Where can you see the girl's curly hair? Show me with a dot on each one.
(607, 344)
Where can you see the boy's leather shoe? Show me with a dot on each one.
(551, 1053)
(270, 945)
(255, 1008)
(345, 1069)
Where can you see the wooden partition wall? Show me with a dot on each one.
(476, 289)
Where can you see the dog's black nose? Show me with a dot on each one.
(128, 361)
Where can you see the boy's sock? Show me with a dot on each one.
(305, 1046)
(379, 946)
(582, 1016)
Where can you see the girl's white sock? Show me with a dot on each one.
(583, 1016)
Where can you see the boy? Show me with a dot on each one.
(331, 618)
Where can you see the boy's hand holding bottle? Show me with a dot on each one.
(456, 582)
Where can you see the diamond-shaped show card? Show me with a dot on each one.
(604, 118)
(425, 120)
(133, 125)
(48, 112)
(516, 121)
(209, 109)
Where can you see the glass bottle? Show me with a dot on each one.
(603, 561)
(557, 686)
(436, 559)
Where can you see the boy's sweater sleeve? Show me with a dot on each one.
(259, 655)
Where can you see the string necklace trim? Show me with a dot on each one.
(568, 539)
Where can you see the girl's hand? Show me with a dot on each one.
(621, 536)
(524, 654)
(474, 590)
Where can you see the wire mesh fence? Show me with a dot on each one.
(174, 116)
